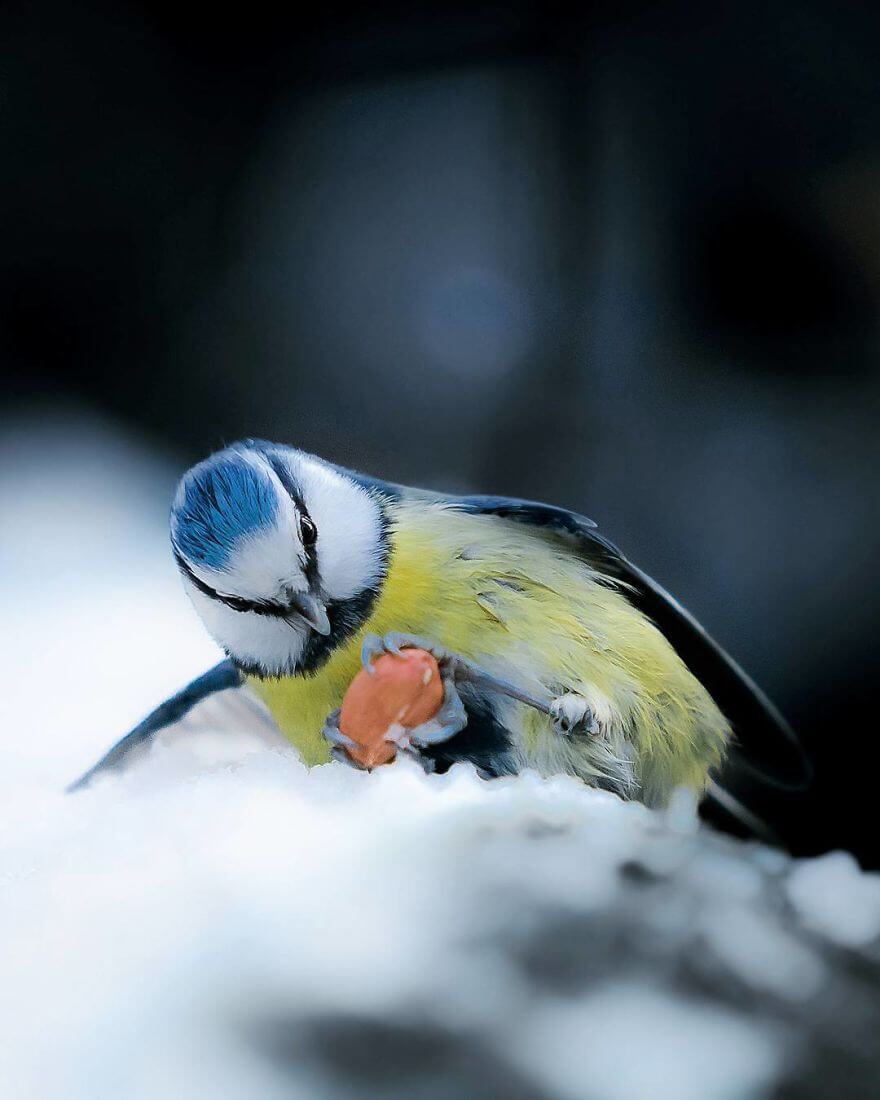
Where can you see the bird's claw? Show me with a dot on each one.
(339, 742)
(333, 733)
(393, 642)
(450, 719)
(572, 714)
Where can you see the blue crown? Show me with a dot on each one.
(224, 499)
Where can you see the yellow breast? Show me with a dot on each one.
(431, 590)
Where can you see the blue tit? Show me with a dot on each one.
(560, 655)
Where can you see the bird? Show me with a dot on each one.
(558, 653)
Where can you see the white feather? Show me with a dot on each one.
(273, 645)
(349, 522)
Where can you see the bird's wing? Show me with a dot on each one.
(221, 677)
(764, 741)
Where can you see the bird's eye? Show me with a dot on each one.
(308, 531)
(237, 603)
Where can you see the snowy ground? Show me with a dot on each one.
(221, 922)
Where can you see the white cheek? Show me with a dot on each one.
(348, 559)
(349, 530)
(272, 644)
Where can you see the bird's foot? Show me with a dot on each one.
(375, 646)
(452, 665)
(338, 741)
(572, 714)
(450, 719)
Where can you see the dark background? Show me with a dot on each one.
(623, 257)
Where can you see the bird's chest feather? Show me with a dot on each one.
(450, 581)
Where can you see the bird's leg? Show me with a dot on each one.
(570, 712)
(462, 670)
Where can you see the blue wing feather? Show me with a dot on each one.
(220, 678)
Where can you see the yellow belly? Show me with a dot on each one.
(525, 606)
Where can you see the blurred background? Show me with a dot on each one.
(621, 257)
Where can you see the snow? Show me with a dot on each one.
(835, 898)
(221, 921)
(667, 1047)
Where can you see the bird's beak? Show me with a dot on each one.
(308, 607)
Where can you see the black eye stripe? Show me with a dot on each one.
(236, 603)
(285, 477)
(294, 491)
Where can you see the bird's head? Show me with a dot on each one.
(281, 553)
